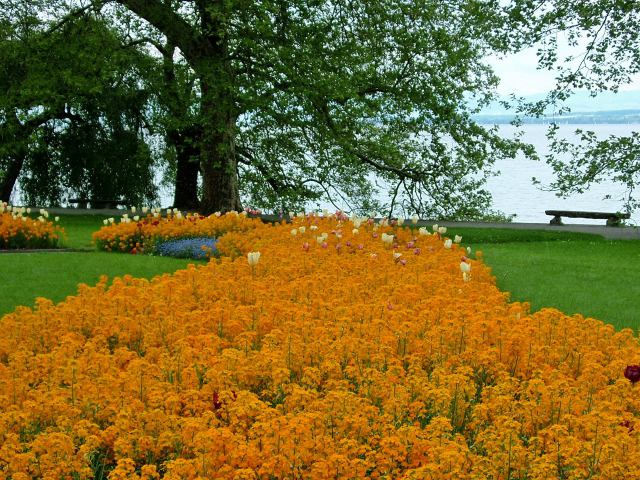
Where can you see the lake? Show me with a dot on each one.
(513, 191)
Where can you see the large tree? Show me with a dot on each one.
(306, 100)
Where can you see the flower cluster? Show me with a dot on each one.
(146, 234)
(18, 229)
(316, 360)
(197, 248)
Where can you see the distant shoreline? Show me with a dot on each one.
(611, 117)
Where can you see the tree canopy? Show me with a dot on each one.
(291, 103)
(605, 40)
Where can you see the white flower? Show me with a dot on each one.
(41, 219)
(105, 221)
(442, 230)
(387, 239)
(145, 210)
(45, 214)
(253, 258)
(355, 231)
(302, 229)
(313, 227)
(423, 231)
(468, 250)
(111, 219)
(448, 243)
(435, 227)
(415, 218)
(400, 221)
(133, 209)
(136, 218)
(125, 215)
(57, 219)
(294, 232)
(457, 239)
(42, 210)
(175, 210)
(28, 210)
(325, 212)
(465, 267)
(396, 256)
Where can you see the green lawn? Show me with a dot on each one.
(574, 272)
(79, 229)
(596, 278)
(25, 276)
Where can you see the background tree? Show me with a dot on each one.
(605, 40)
(71, 113)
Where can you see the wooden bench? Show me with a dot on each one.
(96, 203)
(613, 219)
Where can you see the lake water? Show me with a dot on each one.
(513, 191)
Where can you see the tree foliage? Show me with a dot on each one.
(287, 104)
(72, 113)
(605, 40)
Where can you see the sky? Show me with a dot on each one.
(519, 74)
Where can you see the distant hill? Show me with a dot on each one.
(608, 107)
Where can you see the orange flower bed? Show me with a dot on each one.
(20, 231)
(139, 235)
(326, 356)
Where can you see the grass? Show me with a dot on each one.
(595, 278)
(79, 229)
(25, 276)
(574, 272)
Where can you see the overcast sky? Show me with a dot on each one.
(519, 75)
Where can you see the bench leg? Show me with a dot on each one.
(557, 220)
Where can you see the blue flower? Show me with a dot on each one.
(187, 248)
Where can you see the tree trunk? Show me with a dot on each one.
(187, 145)
(11, 176)
(218, 161)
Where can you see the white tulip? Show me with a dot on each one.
(133, 209)
(457, 239)
(294, 232)
(442, 230)
(423, 231)
(435, 227)
(448, 243)
(468, 250)
(465, 267)
(111, 219)
(136, 218)
(415, 218)
(302, 229)
(253, 258)
(105, 221)
(313, 227)
(387, 239)
(400, 221)
(57, 219)
(145, 210)
(355, 231)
